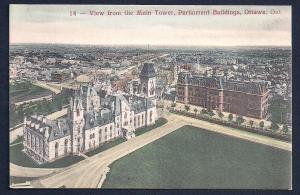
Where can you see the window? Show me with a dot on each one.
(32, 142)
(28, 139)
(56, 150)
(142, 119)
(66, 147)
(105, 130)
(37, 144)
(100, 135)
(134, 121)
(92, 136)
(78, 144)
(110, 127)
(151, 116)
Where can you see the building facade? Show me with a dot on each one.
(95, 116)
(217, 93)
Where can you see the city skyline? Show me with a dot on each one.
(53, 24)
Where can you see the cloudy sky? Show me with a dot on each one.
(53, 24)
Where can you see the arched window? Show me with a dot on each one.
(100, 135)
(66, 146)
(56, 149)
(78, 144)
(32, 142)
(41, 146)
(151, 116)
(28, 139)
(134, 121)
(37, 144)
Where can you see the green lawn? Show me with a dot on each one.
(18, 157)
(105, 146)
(159, 122)
(25, 90)
(193, 158)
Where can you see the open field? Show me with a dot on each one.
(193, 158)
(26, 91)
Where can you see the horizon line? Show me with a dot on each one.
(155, 45)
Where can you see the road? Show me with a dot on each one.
(18, 171)
(88, 172)
(46, 86)
(234, 132)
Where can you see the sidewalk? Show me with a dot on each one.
(181, 106)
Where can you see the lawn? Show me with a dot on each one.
(193, 158)
(18, 157)
(26, 90)
(159, 122)
(105, 146)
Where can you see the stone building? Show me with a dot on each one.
(217, 93)
(95, 116)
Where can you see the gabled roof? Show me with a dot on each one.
(222, 84)
(147, 71)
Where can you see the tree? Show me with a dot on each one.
(203, 111)
(221, 115)
(187, 107)
(274, 126)
(285, 129)
(251, 122)
(261, 124)
(195, 110)
(211, 113)
(239, 120)
(230, 117)
(173, 105)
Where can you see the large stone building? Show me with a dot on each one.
(217, 93)
(95, 116)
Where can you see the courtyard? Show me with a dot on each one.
(194, 158)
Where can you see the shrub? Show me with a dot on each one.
(261, 124)
(230, 117)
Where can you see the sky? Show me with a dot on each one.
(53, 24)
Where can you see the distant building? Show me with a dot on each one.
(216, 93)
(95, 116)
(60, 76)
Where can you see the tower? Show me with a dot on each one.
(77, 116)
(147, 78)
(148, 86)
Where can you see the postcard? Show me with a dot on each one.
(150, 96)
